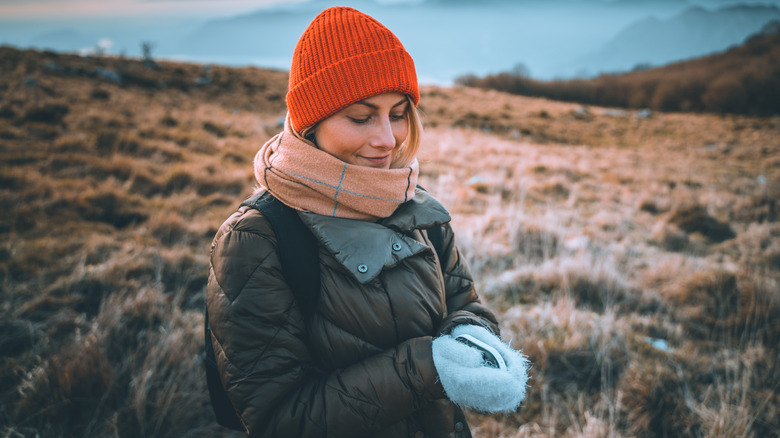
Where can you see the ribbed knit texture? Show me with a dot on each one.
(309, 179)
(345, 56)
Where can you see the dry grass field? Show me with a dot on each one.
(634, 256)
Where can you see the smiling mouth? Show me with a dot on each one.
(381, 159)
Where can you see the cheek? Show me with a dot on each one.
(340, 141)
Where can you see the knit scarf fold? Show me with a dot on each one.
(306, 178)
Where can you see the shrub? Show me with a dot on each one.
(178, 180)
(695, 218)
(727, 308)
(51, 113)
(536, 244)
(654, 401)
(106, 142)
(169, 228)
(7, 112)
(100, 94)
(213, 128)
(71, 385)
(111, 207)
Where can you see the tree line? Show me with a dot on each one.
(742, 80)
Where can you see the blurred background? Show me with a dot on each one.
(545, 39)
(612, 169)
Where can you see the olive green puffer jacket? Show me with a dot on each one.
(362, 365)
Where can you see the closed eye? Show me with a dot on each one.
(359, 120)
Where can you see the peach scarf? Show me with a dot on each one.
(309, 179)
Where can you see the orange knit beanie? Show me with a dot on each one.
(345, 56)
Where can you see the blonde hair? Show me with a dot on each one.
(411, 145)
(408, 149)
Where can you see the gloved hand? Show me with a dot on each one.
(470, 382)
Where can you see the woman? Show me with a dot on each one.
(377, 356)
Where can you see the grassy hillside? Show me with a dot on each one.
(634, 256)
(742, 80)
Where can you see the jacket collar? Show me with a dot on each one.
(365, 248)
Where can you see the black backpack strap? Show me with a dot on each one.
(436, 235)
(299, 256)
(298, 249)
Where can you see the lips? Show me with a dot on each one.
(379, 161)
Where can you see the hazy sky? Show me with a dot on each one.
(63, 9)
(85, 9)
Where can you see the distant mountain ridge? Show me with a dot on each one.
(272, 33)
(456, 39)
(447, 38)
(693, 33)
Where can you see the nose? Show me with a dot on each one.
(383, 135)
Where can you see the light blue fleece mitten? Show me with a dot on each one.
(470, 382)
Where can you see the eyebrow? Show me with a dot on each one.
(371, 105)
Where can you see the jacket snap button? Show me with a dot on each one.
(396, 246)
(458, 427)
(362, 269)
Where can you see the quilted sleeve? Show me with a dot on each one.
(463, 304)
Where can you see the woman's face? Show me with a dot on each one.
(366, 133)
